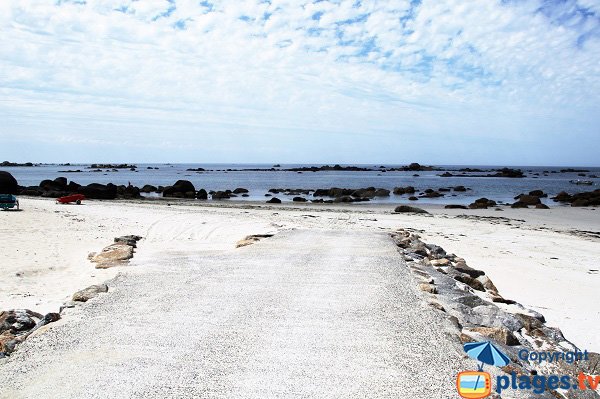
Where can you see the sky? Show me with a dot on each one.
(497, 82)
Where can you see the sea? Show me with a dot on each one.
(230, 176)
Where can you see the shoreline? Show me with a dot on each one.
(503, 244)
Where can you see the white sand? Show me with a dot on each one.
(44, 248)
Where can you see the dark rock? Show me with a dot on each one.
(409, 209)
(460, 188)
(299, 199)
(220, 195)
(148, 188)
(528, 199)
(482, 203)
(274, 200)
(519, 204)
(413, 198)
(202, 194)
(542, 206)
(99, 191)
(538, 193)
(451, 206)
(240, 190)
(181, 189)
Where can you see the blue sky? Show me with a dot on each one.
(433, 81)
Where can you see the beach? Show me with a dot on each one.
(543, 259)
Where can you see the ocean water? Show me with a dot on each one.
(259, 182)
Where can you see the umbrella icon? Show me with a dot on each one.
(487, 353)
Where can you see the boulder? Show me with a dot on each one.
(181, 189)
(8, 184)
(409, 209)
(148, 188)
(90, 292)
(519, 204)
(528, 199)
(202, 194)
(99, 191)
(8, 342)
(460, 188)
(299, 199)
(18, 320)
(542, 206)
(240, 190)
(274, 200)
(113, 255)
(482, 203)
(218, 195)
(498, 334)
(538, 193)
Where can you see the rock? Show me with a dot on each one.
(181, 189)
(251, 239)
(409, 209)
(499, 334)
(542, 206)
(519, 204)
(528, 199)
(18, 320)
(464, 268)
(563, 196)
(8, 184)
(113, 255)
(460, 188)
(382, 192)
(487, 283)
(538, 193)
(149, 189)
(413, 198)
(99, 191)
(440, 262)
(426, 287)
(470, 281)
(451, 206)
(240, 190)
(202, 194)
(299, 199)
(130, 240)
(218, 195)
(90, 292)
(274, 200)
(7, 342)
(482, 203)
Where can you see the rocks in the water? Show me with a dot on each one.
(538, 193)
(409, 209)
(148, 188)
(8, 184)
(519, 204)
(218, 195)
(99, 191)
(240, 190)
(589, 198)
(90, 292)
(112, 166)
(299, 199)
(404, 190)
(274, 200)
(413, 198)
(482, 203)
(528, 199)
(507, 172)
(202, 194)
(460, 188)
(181, 189)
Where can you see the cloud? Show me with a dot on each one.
(216, 69)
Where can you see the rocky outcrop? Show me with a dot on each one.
(181, 189)
(589, 198)
(90, 292)
(8, 184)
(17, 324)
(482, 203)
(470, 301)
(117, 254)
(99, 191)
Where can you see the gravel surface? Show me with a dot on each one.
(304, 314)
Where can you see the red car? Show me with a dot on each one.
(76, 198)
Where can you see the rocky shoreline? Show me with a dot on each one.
(16, 325)
(477, 310)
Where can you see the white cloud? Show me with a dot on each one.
(377, 67)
